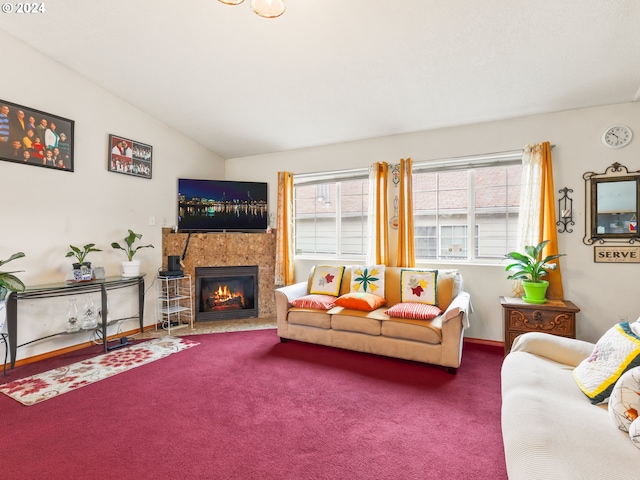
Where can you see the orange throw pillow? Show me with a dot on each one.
(361, 301)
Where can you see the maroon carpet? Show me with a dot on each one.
(244, 406)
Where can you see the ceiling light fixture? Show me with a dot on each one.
(264, 8)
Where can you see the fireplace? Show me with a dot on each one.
(224, 293)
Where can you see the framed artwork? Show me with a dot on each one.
(37, 138)
(129, 157)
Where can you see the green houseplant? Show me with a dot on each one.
(8, 281)
(131, 268)
(530, 267)
(82, 268)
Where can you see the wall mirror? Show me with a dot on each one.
(612, 203)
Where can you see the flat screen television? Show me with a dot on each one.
(221, 205)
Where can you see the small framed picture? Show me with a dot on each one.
(129, 157)
(37, 138)
(616, 254)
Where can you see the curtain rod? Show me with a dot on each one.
(364, 170)
(508, 153)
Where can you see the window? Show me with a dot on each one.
(465, 213)
(464, 209)
(331, 216)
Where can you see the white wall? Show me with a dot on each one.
(43, 210)
(603, 292)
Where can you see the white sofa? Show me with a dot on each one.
(438, 341)
(550, 428)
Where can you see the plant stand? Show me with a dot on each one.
(174, 305)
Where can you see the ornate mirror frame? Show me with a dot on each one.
(612, 204)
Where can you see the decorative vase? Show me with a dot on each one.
(535, 292)
(73, 325)
(89, 318)
(131, 269)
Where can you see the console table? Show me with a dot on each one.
(73, 288)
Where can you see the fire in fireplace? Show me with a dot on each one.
(226, 292)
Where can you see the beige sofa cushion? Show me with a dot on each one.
(309, 317)
(427, 331)
(356, 322)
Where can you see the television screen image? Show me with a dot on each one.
(221, 205)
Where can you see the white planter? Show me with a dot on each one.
(131, 269)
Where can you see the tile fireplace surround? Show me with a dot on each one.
(228, 249)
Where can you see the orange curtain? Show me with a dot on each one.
(548, 229)
(378, 251)
(406, 255)
(284, 274)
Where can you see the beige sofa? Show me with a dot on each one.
(550, 429)
(437, 341)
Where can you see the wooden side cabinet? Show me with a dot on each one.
(557, 317)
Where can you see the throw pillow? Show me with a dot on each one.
(634, 432)
(624, 402)
(320, 302)
(327, 280)
(368, 279)
(616, 352)
(419, 286)
(418, 311)
(367, 302)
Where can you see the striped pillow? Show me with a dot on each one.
(416, 311)
(319, 302)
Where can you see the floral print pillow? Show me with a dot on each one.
(368, 279)
(419, 286)
(327, 280)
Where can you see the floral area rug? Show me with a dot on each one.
(50, 384)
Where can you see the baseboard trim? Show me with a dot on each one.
(73, 348)
(482, 341)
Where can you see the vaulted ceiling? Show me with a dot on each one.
(330, 71)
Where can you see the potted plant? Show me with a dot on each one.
(8, 283)
(131, 268)
(530, 268)
(81, 268)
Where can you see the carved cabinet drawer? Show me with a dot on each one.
(557, 317)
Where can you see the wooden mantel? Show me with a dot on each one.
(228, 249)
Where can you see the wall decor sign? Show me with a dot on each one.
(33, 137)
(622, 254)
(129, 157)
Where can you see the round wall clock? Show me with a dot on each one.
(617, 136)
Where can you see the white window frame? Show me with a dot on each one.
(469, 164)
(322, 178)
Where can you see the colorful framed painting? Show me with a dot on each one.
(34, 137)
(130, 157)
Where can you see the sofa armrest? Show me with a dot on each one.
(291, 292)
(567, 351)
(285, 295)
(462, 303)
